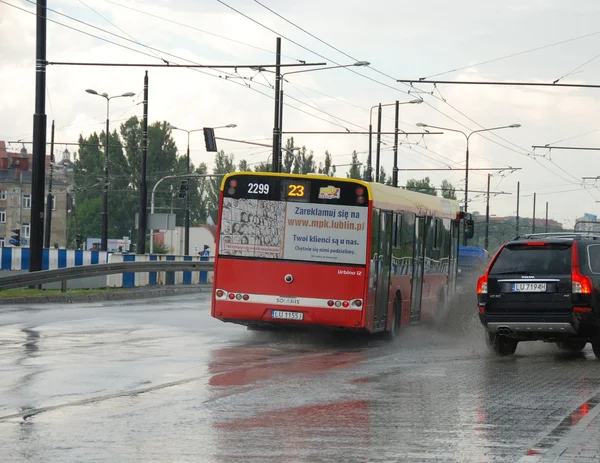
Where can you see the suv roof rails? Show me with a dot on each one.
(575, 235)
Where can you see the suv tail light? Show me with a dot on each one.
(482, 284)
(580, 284)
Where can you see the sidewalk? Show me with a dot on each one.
(144, 292)
(580, 445)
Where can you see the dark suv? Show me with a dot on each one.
(543, 287)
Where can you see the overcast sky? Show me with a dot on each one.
(401, 40)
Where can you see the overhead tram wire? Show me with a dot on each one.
(395, 88)
(146, 54)
(371, 67)
(311, 51)
(531, 50)
(306, 48)
(426, 102)
(271, 52)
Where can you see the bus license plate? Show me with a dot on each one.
(287, 315)
(528, 287)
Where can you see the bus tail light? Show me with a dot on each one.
(231, 296)
(357, 303)
(245, 297)
(338, 304)
(220, 293)
(330, 303)
(360, 191)
(232, 184)
(345, 304)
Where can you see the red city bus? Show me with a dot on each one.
(315, 251)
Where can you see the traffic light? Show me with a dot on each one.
(183, 188)
(209, 139)
(78, 241)
(469, 226)
(15, 239)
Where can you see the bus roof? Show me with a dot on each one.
(383, 196)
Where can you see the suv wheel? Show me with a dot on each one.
(596, 347)
(501, 345)
(571, 345)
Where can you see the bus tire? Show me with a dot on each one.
(392, 333)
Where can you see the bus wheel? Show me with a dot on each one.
(392, 333)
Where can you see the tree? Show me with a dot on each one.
(383, 178)
(288, 158)
(422, 186)
(263, 167)
(243, 166)
(304, 163)
(448, 190)
(354, 171)
(327, 168)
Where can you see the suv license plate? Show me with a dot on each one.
(287, 315)
(528, 287)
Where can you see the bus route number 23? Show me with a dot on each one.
(258, 188)
(296, 190)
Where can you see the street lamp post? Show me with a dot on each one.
(187, 196)
(104, 238)
(370, 156)
(468, 136)
(277, 156)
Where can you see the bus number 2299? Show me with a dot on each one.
(260, 188)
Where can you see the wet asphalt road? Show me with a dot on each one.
(161, 380)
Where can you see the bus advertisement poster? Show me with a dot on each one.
(280, 230)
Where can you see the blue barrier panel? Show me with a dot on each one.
(24, 259)
(62, 258)
(187, 276)
(95, 257)
(78, 257)
(128, 278)
(6, 259)
(152, 276)
(170, 276)
(46, 259)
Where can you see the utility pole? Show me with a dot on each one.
(546, 216)
(36, 240)
(369, 156)
(378, 151)
(487, 214)
(533, 224)
(276, 128)
(49, 198)
(518, 188)
(143, 214)
(395, 169)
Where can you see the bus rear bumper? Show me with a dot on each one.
(288, 316)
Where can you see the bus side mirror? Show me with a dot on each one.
(469, 228)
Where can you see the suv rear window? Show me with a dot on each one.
(550, 259)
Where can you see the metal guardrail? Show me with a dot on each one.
(85, 271)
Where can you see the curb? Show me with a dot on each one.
(134, 293)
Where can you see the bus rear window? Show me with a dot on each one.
(288, 224)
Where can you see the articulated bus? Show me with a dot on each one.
(310, 251)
